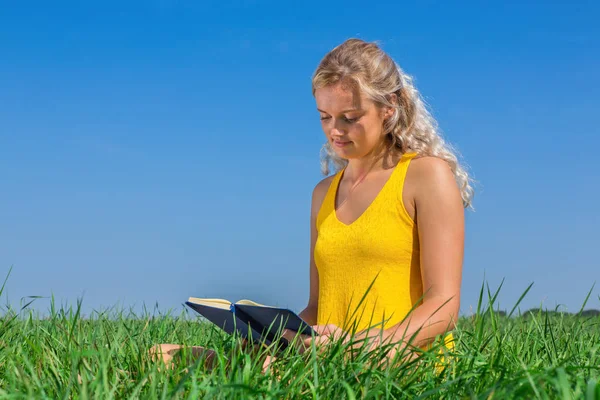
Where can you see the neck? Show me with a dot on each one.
(358, 168)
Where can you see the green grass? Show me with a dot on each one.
(102, 356)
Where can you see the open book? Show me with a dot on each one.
(260, 323)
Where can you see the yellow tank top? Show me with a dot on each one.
(380, 248)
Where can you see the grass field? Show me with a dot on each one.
(539, 356)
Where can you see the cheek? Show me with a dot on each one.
(358, 132)
(372, 130)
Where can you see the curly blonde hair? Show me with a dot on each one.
(410, 129)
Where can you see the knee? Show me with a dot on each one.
(163, 351)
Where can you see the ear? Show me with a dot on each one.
(389, 111)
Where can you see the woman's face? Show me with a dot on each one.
(352, 123)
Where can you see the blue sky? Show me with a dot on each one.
(155, 150)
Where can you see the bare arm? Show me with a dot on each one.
(309, 314)
(440, 221)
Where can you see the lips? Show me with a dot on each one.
(337, 143)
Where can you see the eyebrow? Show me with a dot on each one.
(345, 111)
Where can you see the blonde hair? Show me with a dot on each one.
(410, 129)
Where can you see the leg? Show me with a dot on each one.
(168, 353)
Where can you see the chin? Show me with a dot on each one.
(342, 153)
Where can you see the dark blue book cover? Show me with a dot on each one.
(264, 324)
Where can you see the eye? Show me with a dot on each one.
(344, 118)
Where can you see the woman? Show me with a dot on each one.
(387, 229)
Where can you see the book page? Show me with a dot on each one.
(250, 303)
(217, 303)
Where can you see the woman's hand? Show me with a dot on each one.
(371, 339)
(330, 333)
(325, 335)
(290, 336)
(376, 339)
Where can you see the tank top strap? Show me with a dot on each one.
(396, 184)
(393, 194)
(399, 175)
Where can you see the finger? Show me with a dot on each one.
(322, 329)
(291, 335)
(288, 334)
(329, 329)
(265, 366)
(294, 339)
(267, 363)
(321, 342)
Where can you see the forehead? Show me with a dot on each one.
(337, 97)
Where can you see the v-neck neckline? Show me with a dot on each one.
(337, 187)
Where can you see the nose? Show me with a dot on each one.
(336, 130)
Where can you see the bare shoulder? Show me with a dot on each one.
(429, 178)
(428, 169)
(324, 184)
(320, 191)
